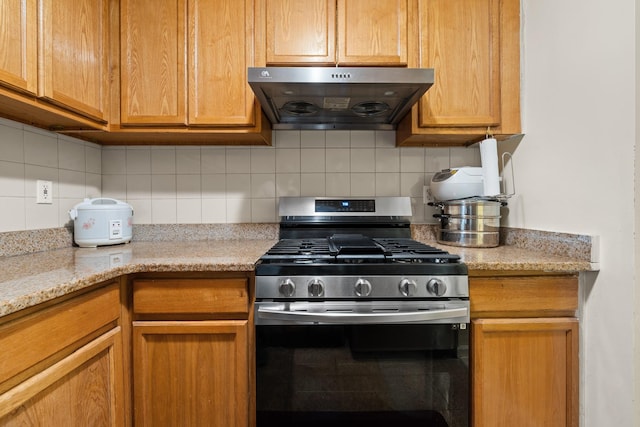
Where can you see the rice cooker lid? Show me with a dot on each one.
(464, 174)
(102, 203)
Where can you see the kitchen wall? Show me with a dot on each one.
(28, 154)
(575, 173)
(228, 184)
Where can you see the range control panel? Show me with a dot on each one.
(346, 205)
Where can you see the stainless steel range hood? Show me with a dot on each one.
(338, 98)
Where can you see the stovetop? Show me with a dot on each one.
(352, 248)
(351, 253)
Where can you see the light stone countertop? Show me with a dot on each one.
(34, 278)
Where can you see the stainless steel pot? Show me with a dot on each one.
(469, 222)
(470, 207)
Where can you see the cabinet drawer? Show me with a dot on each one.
(523, 296)
(191, 296)
(31, 339)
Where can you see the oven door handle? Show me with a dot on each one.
(456, 315)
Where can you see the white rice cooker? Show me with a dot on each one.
(457, 183)
(101, 221)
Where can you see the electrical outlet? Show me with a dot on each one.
(44, 192)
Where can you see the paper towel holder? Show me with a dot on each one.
(513, 176)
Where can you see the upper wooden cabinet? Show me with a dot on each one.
(474, 47)
(183, 65)
(74, 55)
(18, 32)
(54, 62)
(338, 32)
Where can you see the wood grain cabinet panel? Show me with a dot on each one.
(191, 296)
(84, 389)
(184, 63)
(74, 41)
(192, 363)
(221, 48)
(62, 365)
(191, 373)
(524, 350)
(474, 48)
(301, 31)
(373, 32)
(18, 38)
(153, 62)
(337, 32)
(525, 372)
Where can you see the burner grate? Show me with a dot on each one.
(381, 250)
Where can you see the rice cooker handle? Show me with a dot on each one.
(100, 199)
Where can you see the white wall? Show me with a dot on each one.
(575, 173)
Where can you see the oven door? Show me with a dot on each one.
(369, 365)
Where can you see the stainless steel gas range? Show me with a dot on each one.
(356, 323)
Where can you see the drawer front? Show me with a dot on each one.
(31, 339)
(523, 296)
(191, 296)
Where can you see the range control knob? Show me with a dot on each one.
(436, 287)
(287, 288)
(408, 287)
(363, 288)
(316, 288)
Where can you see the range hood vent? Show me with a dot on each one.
(349, 98)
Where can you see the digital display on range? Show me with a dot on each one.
(346, 205)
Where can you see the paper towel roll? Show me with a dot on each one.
(490, 173)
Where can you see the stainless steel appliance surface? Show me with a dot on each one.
(357, 323)
(338, 98)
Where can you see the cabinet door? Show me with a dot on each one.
(18, 38)
(74, 53)
(461, 41)
(301, 32)
(83, 389)
(525, 372)
(191, 373)
(221, 41)
(153, 59)
(372, 32)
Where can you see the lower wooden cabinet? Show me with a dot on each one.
(191, 352)
(524, 360)
(62, 365)
(191, 373)
(525, 372)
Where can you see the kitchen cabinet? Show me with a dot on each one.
(338, 32)
(191, 351)
(74, 43)
(54, 65)
(62, 364)
(18, 61)
(474, 48)
(524, 350)
(183, 73)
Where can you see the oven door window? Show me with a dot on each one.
(364, 375)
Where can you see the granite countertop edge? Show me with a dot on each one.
(35, 278)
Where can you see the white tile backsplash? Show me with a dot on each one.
(221, 184)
